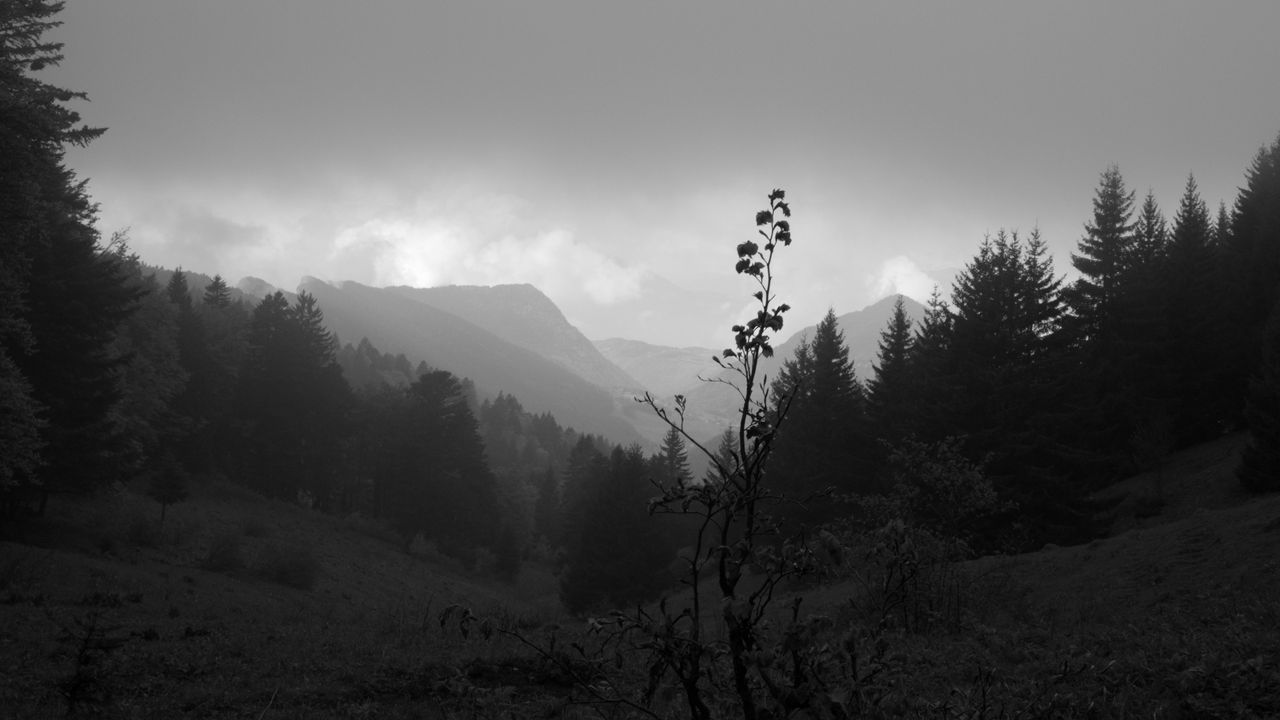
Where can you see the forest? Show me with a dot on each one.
(989, 423)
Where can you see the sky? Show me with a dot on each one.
(614, 153)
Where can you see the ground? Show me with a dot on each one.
(241, 606)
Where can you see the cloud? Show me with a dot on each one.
(466, 245)
(900, 275)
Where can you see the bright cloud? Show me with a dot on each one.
(900, 275)
(426, 249)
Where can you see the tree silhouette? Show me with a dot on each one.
(62, 296)
(890, 390)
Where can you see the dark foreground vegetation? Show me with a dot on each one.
(210, 507)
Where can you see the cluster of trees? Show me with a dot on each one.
(1056, 388)
(62, 295)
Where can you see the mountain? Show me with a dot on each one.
(522, 315)
(720, 403)
(396, 322)
(861, 330)
(664, 371)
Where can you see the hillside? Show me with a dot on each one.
(322, 617)
(395, 324)
(861, 330)
(238, 604)
(524, 316)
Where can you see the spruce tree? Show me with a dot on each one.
(217, 294)
(673, 458)
(824, 444)
(930, 369)
(1191, 308)
(1101, 259)
(62, 296)
(890, 389)
(1251, 262)
(1009, 396)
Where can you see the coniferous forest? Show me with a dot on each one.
(991, 426)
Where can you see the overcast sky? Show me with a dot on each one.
(614, 153)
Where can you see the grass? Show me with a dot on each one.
(246, 608)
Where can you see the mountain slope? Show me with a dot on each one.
(861, 330)
(662, 370)
(395, 323)
(524, 316)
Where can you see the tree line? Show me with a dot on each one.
(1166, 338)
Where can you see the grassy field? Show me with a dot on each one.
(242, 607)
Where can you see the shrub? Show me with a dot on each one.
(293, 566)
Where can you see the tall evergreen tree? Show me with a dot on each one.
(1191, 309)
(672, 460)
(890, 390)
(293, 400)
(823, 443)
(930, 367)
(217, 294)
(1251, 262)
(61, 295)
(1102, 258)
(1009, 385)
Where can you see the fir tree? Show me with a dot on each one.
(1102, 259)
(890, 390)
(1191, 307)
(62, 296)
(673, 458)
(217, 294)
(825, 443)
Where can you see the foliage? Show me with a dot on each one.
(824, 447)
(61, 295)
(890, 390)
(1261, 457)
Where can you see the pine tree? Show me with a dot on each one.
(673, 458)
(890, 390)
(1251, 262)
(1191, 310)
(217, 294)
(1102, 260)
(62, 296)
(824, 444)
(1009, 400)
(1143, 375)
(930, 369)
(1151, 236)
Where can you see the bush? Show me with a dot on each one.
(225, 553)
(295, 567)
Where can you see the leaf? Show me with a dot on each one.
(742, 266)
(764, 217)
(759, 295)
(783, 308)
(748, 249)
(727, 353)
